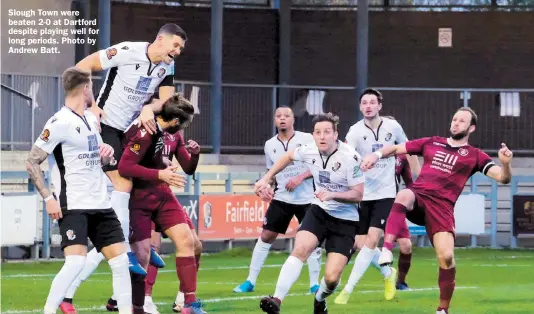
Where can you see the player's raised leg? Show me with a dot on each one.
(444, 246)
(397, 220)
(305, 243)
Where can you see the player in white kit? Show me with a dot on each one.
(333, 215)
(366, 136)
(136, 71)
(83, 210)
(293, 192)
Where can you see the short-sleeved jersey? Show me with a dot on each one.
(72, 142)
(334, 173)
(144, 150)
(131, 80)
(446, 168)
(403, 171)
(274, 149)
(379, 180)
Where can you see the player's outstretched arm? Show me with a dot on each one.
(502, 174)
(414, 164)
(33, 166)
(370, 160)
(278, 166)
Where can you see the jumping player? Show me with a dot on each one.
(293, 192)
(136, 71)
(153, 200)
(333, 215)
(449, 162)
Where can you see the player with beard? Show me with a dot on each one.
(153, 200)
(290, 197)
(136, 70)
(187, 156)
(449, 162)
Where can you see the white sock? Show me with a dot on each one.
(91, 263)
(323, 291)
(119, 202)
(122, 286)
(259, 255)
(361, 263)
(314, 266)
(180, 298)
(67, 274)
(384, 270)
(289, 273)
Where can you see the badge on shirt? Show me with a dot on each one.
(111, 52)
(45, 135)
(135, 148)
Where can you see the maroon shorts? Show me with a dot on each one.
(158, 205)
(437, 215)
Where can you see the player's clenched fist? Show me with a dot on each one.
(505, 154)
(368, 162)
(171, 177)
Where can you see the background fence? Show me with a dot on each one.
(247, 111)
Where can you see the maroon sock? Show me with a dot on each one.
(394, 225)
(447, 282)
(405, 261)
(186, 269)
(138, 291)
(197, 259)
(150, 279)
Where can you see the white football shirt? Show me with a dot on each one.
(334, 173)
(72, 142)
(380, 180)
(130, 82)
(274, 149)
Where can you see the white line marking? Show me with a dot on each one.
(241, 298)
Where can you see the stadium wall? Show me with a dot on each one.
(489, 49)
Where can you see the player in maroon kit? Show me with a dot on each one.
(153, 200)
(187, 156)
(449, 162)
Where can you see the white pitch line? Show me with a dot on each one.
(241, 298)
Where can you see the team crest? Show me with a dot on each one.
(70, 234)
(45, 135)
(135, 148)
(463, 152)
(336, 166)
(388, 137)
(111, 52)
(365, 137)
(161, 72)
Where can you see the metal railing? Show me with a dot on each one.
(247, 111)
(478, 184)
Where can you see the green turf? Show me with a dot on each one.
(488, 281)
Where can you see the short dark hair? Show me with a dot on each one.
(73, 78)
(173, 29)
(372, 91)
(326, 117)
(474, 117)
(177, 107)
